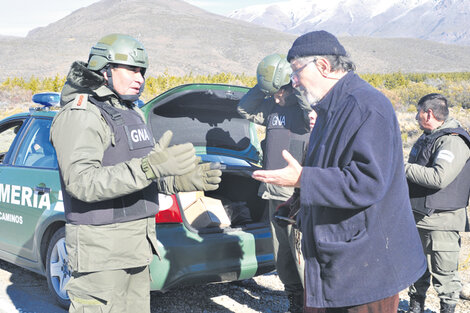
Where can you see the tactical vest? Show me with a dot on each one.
(285, 130)
(455, 196)
(133, 139)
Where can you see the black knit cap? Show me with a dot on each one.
(316, 43)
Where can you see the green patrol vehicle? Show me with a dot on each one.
(218, 236)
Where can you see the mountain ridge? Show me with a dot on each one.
(445, 21)
(182, 39)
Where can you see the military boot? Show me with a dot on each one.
(447, 308)
(296, 303)
(416, 304)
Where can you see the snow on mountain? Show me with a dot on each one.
(438, 20)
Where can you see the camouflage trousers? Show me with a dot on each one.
(442, 254)
(116, 291)
(288, 267)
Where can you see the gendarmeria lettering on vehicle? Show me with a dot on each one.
(24, 196)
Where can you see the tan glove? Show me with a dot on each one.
(205, 177)
(170, 161)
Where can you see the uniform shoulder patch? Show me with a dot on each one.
(80, 101)
(446, 155)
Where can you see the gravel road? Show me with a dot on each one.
(26, 292)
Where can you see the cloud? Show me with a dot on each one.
(21, 16)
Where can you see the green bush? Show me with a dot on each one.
(403, 90)
(156, 85)
(35, 84)
(411, 93)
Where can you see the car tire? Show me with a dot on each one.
(57, 271)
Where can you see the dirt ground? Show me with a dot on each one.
(26, 292)
(432, 301)
(23, 291)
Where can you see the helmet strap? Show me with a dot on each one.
(109, 75)
(132, 98)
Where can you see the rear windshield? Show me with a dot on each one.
(203, 118)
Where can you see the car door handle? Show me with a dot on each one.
(42, 190)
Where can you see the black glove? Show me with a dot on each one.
(295, 207)
(286, 212)
(281, 214)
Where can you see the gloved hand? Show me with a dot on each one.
(294, 204)
(295, 208)
(282, 210)
(205, 177)
(170, 161)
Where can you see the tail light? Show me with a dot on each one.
(169, 211)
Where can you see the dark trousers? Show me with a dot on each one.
(387, 305)
(286, 265)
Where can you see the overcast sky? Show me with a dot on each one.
(17, 17)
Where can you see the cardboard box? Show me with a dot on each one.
(188, 198)
(206, 212)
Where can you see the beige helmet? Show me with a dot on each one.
(272, 73)
(117, 49)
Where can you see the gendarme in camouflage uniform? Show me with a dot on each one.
(109, 164)
(439, 193)
(287, 127)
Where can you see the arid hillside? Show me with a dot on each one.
(182, 39)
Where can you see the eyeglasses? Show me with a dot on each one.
(295, 74)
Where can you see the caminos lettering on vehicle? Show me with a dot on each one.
(11, 218)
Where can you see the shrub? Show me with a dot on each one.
(411, 94)
(403, 90)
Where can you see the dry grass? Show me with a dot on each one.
(410, 130)
(14, 101)
(432, 300)
(19, 100)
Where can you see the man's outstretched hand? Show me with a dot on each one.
(288, 176)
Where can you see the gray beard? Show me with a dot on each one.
(311, 99)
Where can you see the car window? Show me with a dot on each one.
(8, 133)
(36, 149)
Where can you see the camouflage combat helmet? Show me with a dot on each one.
(272, 73)
(117, 49)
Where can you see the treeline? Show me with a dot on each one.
(156, 85)
(404, 90)
(34, 84)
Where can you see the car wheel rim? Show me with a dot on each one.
(59, 272)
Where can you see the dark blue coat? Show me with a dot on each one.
(360, 240)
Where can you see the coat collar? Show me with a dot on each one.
(82, 80)
(331, 99)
